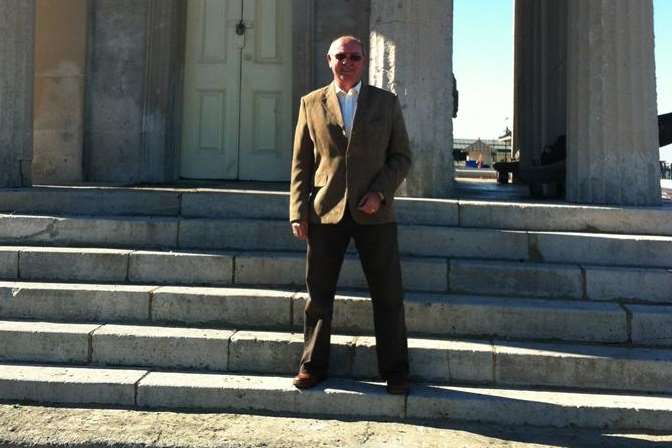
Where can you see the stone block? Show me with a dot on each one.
(179, 268)
(280, 353)
(601, 249)
(628, 284)
(9, 263)
(173, 348)
(74, 302)
(223, 307)
(235, 204)
(287, 269)
(69, 385)
(237, 393)
(352, 313)
(252, 234)
(651, 325)
(106, 232)
(45, 342)
(434, 212)
(516, 279)
(72, 265)
(566, 218)
(433, 360)
(57, 156)
(539, 408)
(90, 201)
(453, 242)
(515, 318)
(583, 366)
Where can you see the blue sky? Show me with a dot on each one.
(483, 65)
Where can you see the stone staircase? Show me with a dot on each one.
(541, 314)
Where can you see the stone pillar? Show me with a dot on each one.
(412, 56)
(540, 81)
(17, 42)
(612, 138)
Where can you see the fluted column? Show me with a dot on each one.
(612, 126)
(411, 55)
(17, 42)
(540, 85)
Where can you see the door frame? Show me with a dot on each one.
(303, 70)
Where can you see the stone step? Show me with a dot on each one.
(336, 397)
(494, 363)
(426, 314)
(429, 274)
(228, 203)
(275, 235)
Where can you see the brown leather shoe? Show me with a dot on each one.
(397, 386)
(306, 380)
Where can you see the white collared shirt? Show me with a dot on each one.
(348, 103)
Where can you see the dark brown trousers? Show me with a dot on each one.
(378, 251)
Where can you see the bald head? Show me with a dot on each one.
(339, 41)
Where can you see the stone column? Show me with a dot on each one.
(412, 56)
(17, 28)
(612, 138)
(540, 85)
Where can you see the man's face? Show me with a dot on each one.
(346, 61)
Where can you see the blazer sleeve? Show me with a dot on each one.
(303, 161)
(398, 158)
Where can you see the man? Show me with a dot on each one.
(351, 152)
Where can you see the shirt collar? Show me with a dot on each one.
(353, 91)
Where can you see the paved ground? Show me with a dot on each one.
(39, 426)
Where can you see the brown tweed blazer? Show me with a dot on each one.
(330, 173)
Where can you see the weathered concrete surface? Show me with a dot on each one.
(651, 325)
(178, 268)
(45, 342)
(612, 132)
(74, 302)
(9, 263)
(31, 426)
(399, 32)
(68, 385)
(232, 204)
(223, 307)
(17, 53)
(280, 353)
(628, 285)
(457, 242)
(566, 217)
(173, 348)
(266, 394)
(583, 366)
(524, 407)
(593, 248)
(70, 264)
(90, 201)
(238, 234)
(515, 279)
(60, 84)
(515, 318)
(79, 231)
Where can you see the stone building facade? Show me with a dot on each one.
(151, 91)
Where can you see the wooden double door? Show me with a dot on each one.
(237, 90)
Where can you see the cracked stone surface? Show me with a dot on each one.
(38, 426)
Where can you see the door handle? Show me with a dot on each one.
(241, 27)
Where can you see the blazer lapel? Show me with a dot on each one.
(330, 102)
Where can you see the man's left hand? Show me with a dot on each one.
(370, 203)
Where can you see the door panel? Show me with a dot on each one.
(212, 90)
(266, 86)
(237, 98)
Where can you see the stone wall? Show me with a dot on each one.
(60, 78)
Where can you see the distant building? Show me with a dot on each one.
(485, 151)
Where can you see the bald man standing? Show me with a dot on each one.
(351, 153)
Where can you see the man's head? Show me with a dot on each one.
(346, 58)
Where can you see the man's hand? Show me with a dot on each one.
(300, 229)
(370, 203)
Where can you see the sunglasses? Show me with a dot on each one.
(354, 57)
